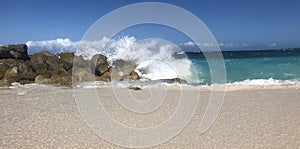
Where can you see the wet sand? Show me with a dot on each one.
(250, 117)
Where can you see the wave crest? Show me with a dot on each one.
(154, 57)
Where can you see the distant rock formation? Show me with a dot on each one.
(18, 51)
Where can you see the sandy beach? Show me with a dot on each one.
(250, 117)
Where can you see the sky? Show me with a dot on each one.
(236, 24)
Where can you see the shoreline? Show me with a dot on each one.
(177, 86)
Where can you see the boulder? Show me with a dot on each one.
(44, 63)
(52, 69)
(3, 68)
(4, 83)
(12, 70)
(42, 79)
(106, 77)
(99, 64)
(175, 80)
(25, 73)
(123, 70)
(11, 74)
(62, 79)
(18, 51)
(135, 88)
(67, 59)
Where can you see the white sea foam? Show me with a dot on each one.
(154, 57)
(269, 81)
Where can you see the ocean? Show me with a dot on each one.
(158, 59)
(257, 67)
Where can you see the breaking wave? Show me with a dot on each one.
(154, 57)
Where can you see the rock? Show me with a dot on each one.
(4, 83)
(12, 70)
(99, 64)
(67, 59)
(44, 63)
(42, 79)
(44, 67)
(123, 70)
(52, 69)
(3, 68)
(21, 73)
(133, 75)
(62, 79)
(175, 80)
(18, 51)
(106, 77)
(83, 74)
(135, 88)
(11, 74)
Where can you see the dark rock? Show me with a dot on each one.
(99, 64)
(18, 51)
(44, 67)
(3, 68)
(11, 74)
(25, 73)
(62, 79)
(135, 88)
(42, 79)
(17, 71)
(133, 75)
(106, 77)
(44, 63)
(67, 59)
(123, 70)
(175, 80)
(4, 83)
(52, 69)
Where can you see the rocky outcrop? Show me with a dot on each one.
(53, 69)
(18, 52)
(63, 68)
(15, 71)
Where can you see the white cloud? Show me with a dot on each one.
(188, 43)
(273, 45)
(221, 44)
(65, 45)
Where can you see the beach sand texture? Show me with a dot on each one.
(47, 117)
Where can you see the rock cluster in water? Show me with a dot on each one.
(16, 66)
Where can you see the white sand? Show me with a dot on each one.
(251, 117)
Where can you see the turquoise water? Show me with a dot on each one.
(240, 66)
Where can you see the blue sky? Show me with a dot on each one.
(240, 24)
